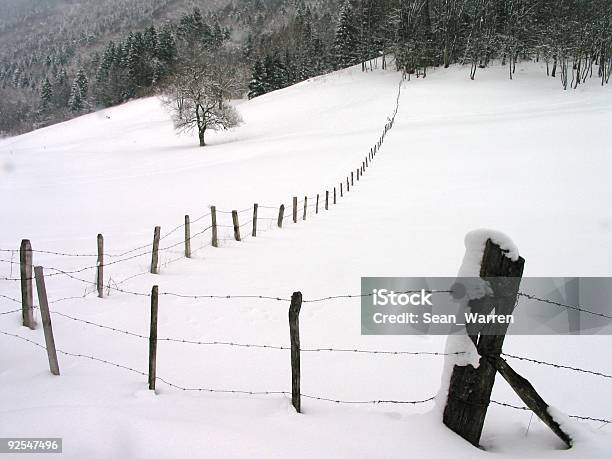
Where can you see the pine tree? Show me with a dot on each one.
(46, 93)
(256, 85)
(345, 41)
(75, 103)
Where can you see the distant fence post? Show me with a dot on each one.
(213, 216)
(254, 233)
(334, 195)
(294, 334)
(326, 199)
(100, 267)
(46, 320)
(27, 296)
(305, 207)
(341, 193)
(352, 182)
(187, 237)
(155, 251)
(153, 338)
(295, 209)
(357, 174)
(347, 184)
(236, 225)
(281, 215)
(317, 205)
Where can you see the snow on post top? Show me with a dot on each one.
(475, 242)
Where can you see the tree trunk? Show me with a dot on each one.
(201, 136)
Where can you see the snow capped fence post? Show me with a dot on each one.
(326, 199)
(305, 207)
(187, 237)
(281, 215)
(155, 251)
(294, 335)
(470, 388)
(100, 267)
(236, 225)
(213, 216)
(153, 338)
(295, 209)
(46, 320)
(27, 297)
(254, 233)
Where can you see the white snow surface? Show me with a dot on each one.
(522, 156)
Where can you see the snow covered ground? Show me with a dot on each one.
(523, 157)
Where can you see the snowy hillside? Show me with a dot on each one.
(522, 157)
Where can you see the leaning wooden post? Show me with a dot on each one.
(46, 320)
(305, 207)
(295, 209)
(366, 162)
(187, 237)
(326, 199)
(236, 225)
(100, 267)
(254, 233)
(213, 216)
(470, 388)
(317, 205)
(281, 215)
(153, 338)
(154, 252)
(294, 334)
(27, 297)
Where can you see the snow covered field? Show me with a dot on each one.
(523, 157)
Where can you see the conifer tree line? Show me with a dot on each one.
(46, 77)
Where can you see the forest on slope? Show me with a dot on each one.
(63, 58)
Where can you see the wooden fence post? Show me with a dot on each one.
(334, 195)
(366, 162)
(213, 215)
(347, 184)
(236, 225)
(470, 388)
(352, 182)
(294, 334)
(295, 209)
(281, 215)
(326, 199)
(341, 193)
(317, 205)
(153, 338)
(100, 267)
(46, 320)
(27, 297)
(154, 252)
(187, 237)
(357, 174)
(305, 207)
(254, 233)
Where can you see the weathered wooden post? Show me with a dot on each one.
(470, 388)
(155, 251)
(27, 296)
(295, 209)
(347, 184)
(46, 320)
(305, 207)
(366, 162)
(341, 193)
(317, 205)
(100, 267)
(334, 195)
(294, 334)
(236, 225)
(254, 233)
(326, 199)
(357, 174)
(281, 215)
(153, 338)
(213, 216)
(352, 182)
(187, 237)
